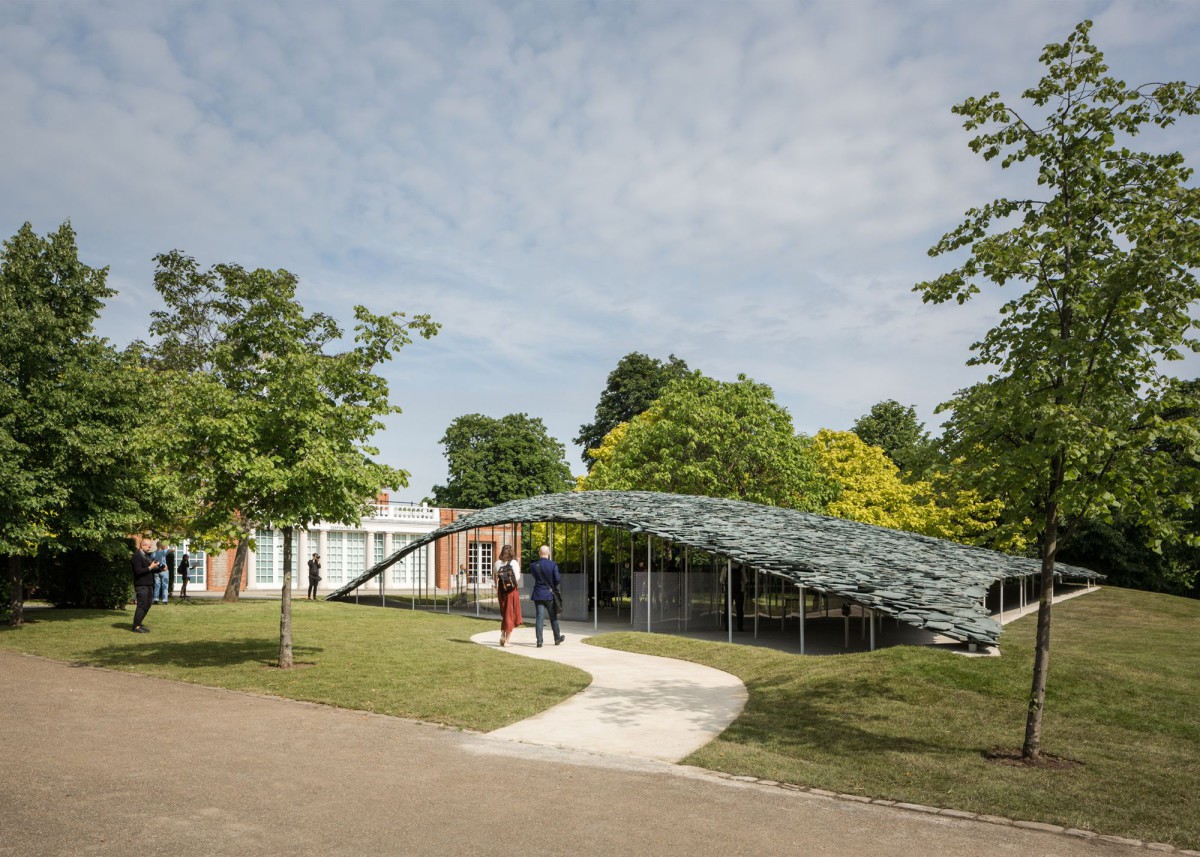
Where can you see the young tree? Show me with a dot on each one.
(496, 460)
(632, 388)
(1072, 416)
(277, 423)
(713, 439)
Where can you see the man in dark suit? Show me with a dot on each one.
(144, 571)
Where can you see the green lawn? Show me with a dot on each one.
(912, 724)
(400, 662)
(902, 723)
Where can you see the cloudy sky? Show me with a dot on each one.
(750, 186)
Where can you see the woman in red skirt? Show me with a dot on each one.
(508, 574)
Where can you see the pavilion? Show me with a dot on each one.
(929, 583)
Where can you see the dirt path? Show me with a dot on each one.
(98, 762)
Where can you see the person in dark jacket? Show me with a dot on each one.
(314, 576)
(145, 570)
(185, 568)
(546, 578)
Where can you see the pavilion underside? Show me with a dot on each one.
(930, 583)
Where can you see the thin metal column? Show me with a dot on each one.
(729, 597)
(756, 603)
(649, 589)
(803, 617)
(872, 630)
(595, 577)
(1002, 601)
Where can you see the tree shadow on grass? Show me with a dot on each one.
(196, 654)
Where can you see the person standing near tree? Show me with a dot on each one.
(546, 578)
(507, 575)
(145, 573)
(170, 571)
(161, 576)
(314, 576)
(185, 567)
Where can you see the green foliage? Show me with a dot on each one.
(273, 426)
(871, 490)
(1073, 422)
(713, 439)
(75, 435)
(1106, 250)
(492, 461)
(895, 429)
(86, 579)
(632, 388)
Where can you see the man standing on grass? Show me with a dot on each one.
(145, 570)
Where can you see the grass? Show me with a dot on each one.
(904, 723)
(399, 662)
(912, 724)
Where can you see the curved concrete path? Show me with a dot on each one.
(636, 705)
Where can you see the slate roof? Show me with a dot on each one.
(930, 583)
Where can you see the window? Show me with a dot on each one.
(481, 560)
(334, 559)
(409, 571)
(268, 557)
(378, 557)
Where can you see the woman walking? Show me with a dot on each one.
(508, 592)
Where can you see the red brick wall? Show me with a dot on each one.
(453, 551)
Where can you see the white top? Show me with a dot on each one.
(516, 566)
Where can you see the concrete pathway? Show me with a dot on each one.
(636, 705)
(95, 762)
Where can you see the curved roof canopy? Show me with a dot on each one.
(930, 583)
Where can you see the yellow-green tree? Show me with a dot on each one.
(869, 489)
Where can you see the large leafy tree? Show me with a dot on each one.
(632, 388)
(713, 439)
(895, 429)
(276, 418)
(493, 461)
(76, 471)
(1071, 422)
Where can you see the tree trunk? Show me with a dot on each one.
(16, 592)
(234, 587)
(1032, 748)
(285, 604)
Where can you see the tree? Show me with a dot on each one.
(1072, 417)
(712, 439)
(72, 429)
(632, 388)
(895, 429)
(493, 461)
(276, 422)
(869, 488)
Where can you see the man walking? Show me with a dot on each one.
(546, 578)
(145, 570)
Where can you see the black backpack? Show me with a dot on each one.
(505, 579)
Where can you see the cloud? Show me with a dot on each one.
(752, 186)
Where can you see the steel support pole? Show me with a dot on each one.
(595, 577)
(649, 588)
(872, 612)
(756, 603)
(1002, 601)
(729, 597)
(803, 617)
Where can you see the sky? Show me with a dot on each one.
(752, 187)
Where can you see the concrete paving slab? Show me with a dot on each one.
(637, 705)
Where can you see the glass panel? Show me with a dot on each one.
(335, 563)
(264, 556)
